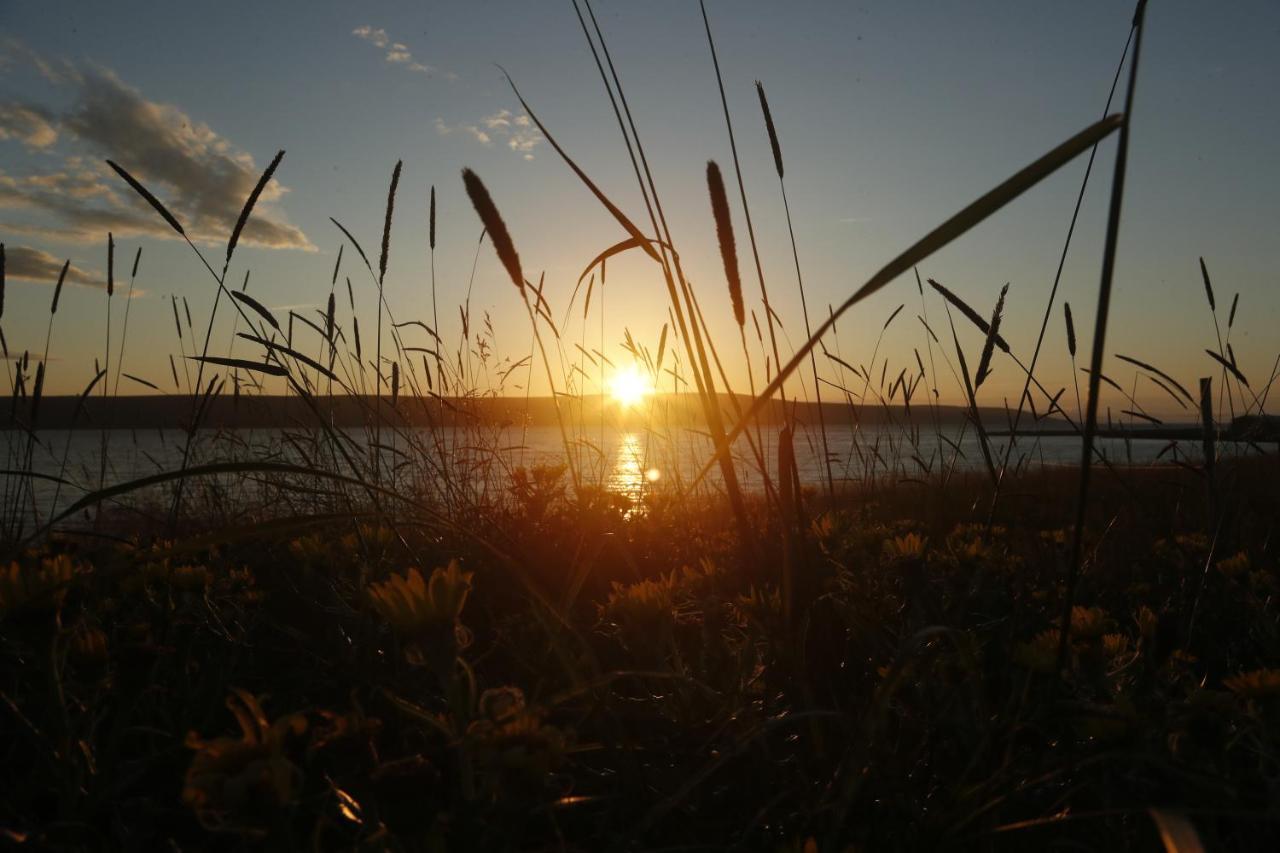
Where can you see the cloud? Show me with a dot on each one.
(200, 176)
(27, 123)
(27, 264)
(475, 131)
(378, 37)
(517, 132)
(397, 53)
(57, 71)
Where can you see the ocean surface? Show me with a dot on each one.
(625, 462)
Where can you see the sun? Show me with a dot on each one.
(629, 387)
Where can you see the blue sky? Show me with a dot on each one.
(892, 116)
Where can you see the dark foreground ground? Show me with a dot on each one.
(578, 680)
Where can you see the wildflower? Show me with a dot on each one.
(761, 606)
(36, 587)
(1234, 566)
(1088, 623)
(1054, 537)
(1148, 623)
(1115, 645)
(1263, 583)
(1254, 684)
(88, 645)
(511, 745)
(908, 547)
(311, 551)
(1040, 654)
(179, 577)
(415, 608)
(644, 607)
(237, 783)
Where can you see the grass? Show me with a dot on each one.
(407, 636)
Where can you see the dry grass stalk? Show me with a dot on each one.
(494, 225)
(724, 236)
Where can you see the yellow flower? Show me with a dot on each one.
(761, 606)
(1263, 583)
(1251, 685)
(1088, 623)
(237, 783)
(1148, 622)
(35, 587)
(1040, 654)
(1055, 537)
(644, 607)
(909, 547)
(1234, 566)
(511, 745)
(1115, 645)
(414, 607)
(88, 645)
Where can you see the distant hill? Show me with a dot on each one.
(174, 411)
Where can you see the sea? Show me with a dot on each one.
(70, 464)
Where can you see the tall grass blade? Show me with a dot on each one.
(248, 208)
(386, 224)
(57, 289)
(494, 225)
(724, 236)
(149, 198)
(258, 308)
(241, 363)
(948, 231)
(1099, 338)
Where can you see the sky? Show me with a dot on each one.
(892, 116)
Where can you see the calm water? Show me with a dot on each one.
(626, 462)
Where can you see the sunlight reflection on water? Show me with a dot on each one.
(627, 476)
(631, 472)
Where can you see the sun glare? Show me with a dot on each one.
(629, 387)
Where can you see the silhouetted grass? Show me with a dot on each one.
(428, 642)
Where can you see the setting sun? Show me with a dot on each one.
(629, 386)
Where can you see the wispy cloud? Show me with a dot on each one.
(28, 264)
(397, 53)
(201, 176)
(27, 123)
(57, 71)
(517, 132)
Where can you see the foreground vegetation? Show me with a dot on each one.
(632, 683)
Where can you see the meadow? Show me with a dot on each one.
(387, 624)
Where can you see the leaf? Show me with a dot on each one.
(248, 207)
(1158, 372)
(280, 348)
(243, 364)
(141, 381)
(241, 296)
(609, 205)
(616, 249)
(984, 363)
(1231, 368)
(355, 243)
(149, 198)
